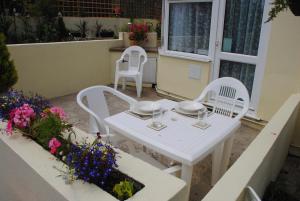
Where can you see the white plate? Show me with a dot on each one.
(147, 106)
(190, 106)
(138, 112)
(179, 110)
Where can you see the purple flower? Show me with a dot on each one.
(92, 162)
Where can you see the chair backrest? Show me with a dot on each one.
(251, 195)
(96, 105)
(136, 56)
(228, 96)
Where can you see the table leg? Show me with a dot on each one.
(216, 163)
(186, 175)
(226, 154)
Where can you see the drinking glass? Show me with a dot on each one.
(202, 114)
(157, 118)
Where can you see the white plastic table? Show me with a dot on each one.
(180, 140)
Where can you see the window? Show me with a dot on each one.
(242, 26)
(188, 28)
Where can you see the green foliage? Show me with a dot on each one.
(82, 28)
(98, 28)
(27, 35)
(8, 73)
(5, 23)
(44, 8)
(158, 30)
(62, 31)
(124, 190)
(46, 31)
(46, 11)
(44, 129)
(278, 6)
(150, 26)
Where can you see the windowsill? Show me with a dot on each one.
(182, 55)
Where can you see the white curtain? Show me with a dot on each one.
(189, 27)
(242, 27)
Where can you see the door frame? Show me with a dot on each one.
(259, 60)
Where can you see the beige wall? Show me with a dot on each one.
(173, 76)
(57, 69)
(281, 77)
(262, 160)
(282, 71)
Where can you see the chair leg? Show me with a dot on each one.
(123, 83)
(116, 82)
(139, 86)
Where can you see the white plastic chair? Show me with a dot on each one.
(137, 58)
(229, 97)
(251, 195)
(97, 108)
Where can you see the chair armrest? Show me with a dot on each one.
(142, 65)
(98, 120)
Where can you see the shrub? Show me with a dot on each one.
(8, 73)
(124, 190)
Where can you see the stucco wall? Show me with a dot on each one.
(173, 76)
(57, 69)
(281, 77)
(282, 71)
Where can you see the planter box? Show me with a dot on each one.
(151, 42)
(28, 173)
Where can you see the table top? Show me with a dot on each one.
(180, 140)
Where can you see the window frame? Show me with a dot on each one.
(212, 38)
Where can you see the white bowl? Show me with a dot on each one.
(147, 106)
(190, 106)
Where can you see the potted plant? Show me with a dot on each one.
(98, 29)
(82, 28)
(107, 33)
(138, 34)
(8, 73)
(283, 5)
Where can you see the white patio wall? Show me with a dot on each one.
(58, 69)
(263, 159)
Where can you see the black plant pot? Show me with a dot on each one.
(295, 7)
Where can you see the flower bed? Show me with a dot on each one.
(94, 162)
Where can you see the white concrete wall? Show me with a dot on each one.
(263, 159)
(27, 174)
(58, 69)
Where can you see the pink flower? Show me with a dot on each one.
(53, 145)
(20, 117)
(58, 111)
(9, 127)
